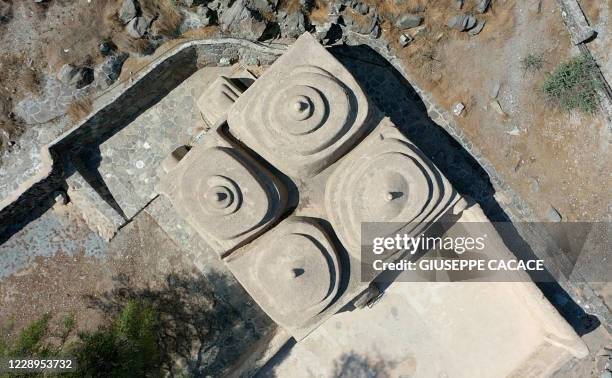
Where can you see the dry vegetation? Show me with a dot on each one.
(79, 108)
(319, 12)
(289, 5)
(167, 18)
(17, 75)
(65, 32)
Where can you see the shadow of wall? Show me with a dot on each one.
(394, 95)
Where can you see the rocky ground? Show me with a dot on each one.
(55, 63)
(65, 280)
(60, 55)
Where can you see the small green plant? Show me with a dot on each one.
(68, 324)
(128, 347)
(29, 341)
(574, 85)
(533, 63)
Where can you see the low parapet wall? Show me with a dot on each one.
(116, 108)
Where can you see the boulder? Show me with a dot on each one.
(242, 21)
(478, 28)
(252, 28)
(108, 72)
(360, 7)
(456, 22)
(75, 77)
(462, 22)
(232, 15)
(67, 73)
(127, 12)
(367, 24)
(408, 21)
(106, 47)
(470, 22)
(483, 5)
(205, 14)
(291, 25)
(60, 197)
(137, 27)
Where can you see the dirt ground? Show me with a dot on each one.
(89, 288)
(36, 39)
(550, 157)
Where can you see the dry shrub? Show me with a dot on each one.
(79, 109)
(31, 81)
(16, 74)
(319, 12)
(80, 42)
(389, 9)
(166, 18)
(117, 32)
(126, 43)
(18, 78)
(111, 17)
(289, 6)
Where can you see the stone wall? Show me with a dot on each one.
(118, 106)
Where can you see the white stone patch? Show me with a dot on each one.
(458, 108)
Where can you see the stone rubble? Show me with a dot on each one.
(483, 5)
(291, 25)
(108, 72)
(127, 12)
(75, 77)
(137, 27)
(242, 21)
(408, 21)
